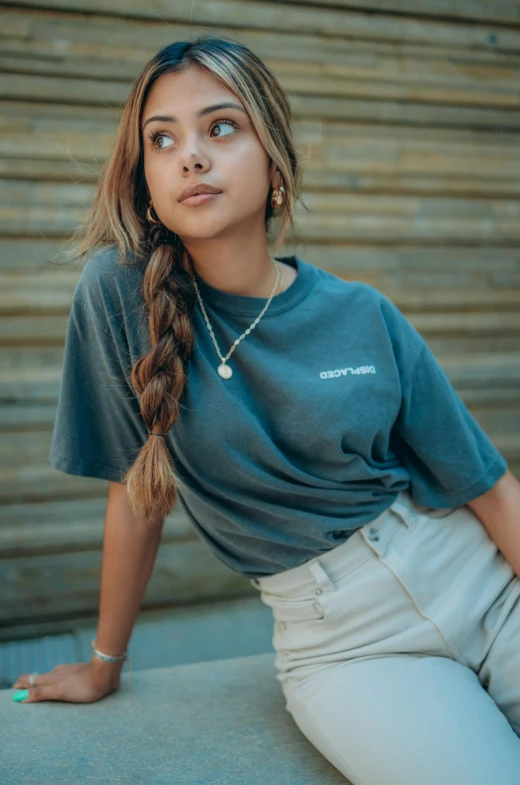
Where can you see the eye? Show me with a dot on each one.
(157, 135)
(222, 123)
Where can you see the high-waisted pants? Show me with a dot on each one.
(398, 651)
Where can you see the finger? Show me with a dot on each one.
(48, 692)
(23, 683)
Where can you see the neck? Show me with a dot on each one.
(240, 270)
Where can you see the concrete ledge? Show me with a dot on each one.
(213, 723)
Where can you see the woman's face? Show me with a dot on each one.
(219, 147)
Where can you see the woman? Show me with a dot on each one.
(314, 439)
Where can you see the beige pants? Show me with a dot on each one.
(398, 651)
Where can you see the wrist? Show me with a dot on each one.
(106, 674)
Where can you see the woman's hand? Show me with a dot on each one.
(79, 682)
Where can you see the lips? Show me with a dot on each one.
(196, 190)
(199, 199)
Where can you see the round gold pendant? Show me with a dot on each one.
(225, 371)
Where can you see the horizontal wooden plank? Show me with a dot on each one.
(30, 254)
(346, 107)
(460, 301)
(68, 584)
(28, 394)
(403, 113)
(391, 218)
(63, 90)
(57, 196)
(54, 126)
(372, 150)
(33, 332)
(23, 449)
(465, 265)
(67, 526)
(39, 482)
(460, 345)
(317, 175)
(400, 76)
(92, 129)
(36, 298)
(19, 450)
(236, 15)
(376, 72)
(29, 168)
(51, 209)
(482, 371)
(38, 385)
(398, 174)
(475, 323)
(42, 360)
(19, 416)
(28, 330)
(52, 222)
(503, 421)
(395, 265)
(24, 335)
(47, 293)
(503, 11)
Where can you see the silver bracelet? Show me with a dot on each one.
(113, 658)
(108, 657)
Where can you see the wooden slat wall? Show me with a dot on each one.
(407, 113)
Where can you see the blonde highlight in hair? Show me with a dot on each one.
(117, 218)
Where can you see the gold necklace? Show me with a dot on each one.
(223, 369)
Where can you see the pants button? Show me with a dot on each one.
(372, 534)
(319, 591)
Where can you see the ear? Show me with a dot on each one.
(275, 177)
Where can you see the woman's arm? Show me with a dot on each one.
(129, 550)
(499, 512)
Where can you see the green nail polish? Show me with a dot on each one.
(20, 695)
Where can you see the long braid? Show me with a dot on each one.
(159, 377)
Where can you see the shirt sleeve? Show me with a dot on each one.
(98, 428)
(449, 457)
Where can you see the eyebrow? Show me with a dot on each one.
(205, 111)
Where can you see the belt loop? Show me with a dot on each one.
(320, 576)
(404, 508)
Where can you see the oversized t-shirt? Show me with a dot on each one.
(336, 403)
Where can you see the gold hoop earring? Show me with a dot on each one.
(149, 215)
(277, 199)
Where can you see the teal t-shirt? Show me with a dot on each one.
(336, 403)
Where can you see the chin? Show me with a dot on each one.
(206, 229)
(192, 239)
